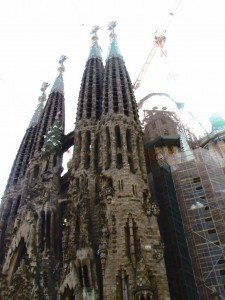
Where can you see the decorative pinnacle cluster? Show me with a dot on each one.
(95, 49)
(61, 69)
(111, 27)
(58, 86)
(94, 30)
(44, 86)
(113, 47)
(40, 106)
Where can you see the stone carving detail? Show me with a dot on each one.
(113, 233)
(83, 239)
(158, 251)
(105, 188)
(65, 220)
(146, 285)
(132, 238)
(122, 283)
(83, 184)
(103, 248)
(73, 187)
(152, 208)
(69, 220)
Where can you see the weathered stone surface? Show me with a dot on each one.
(92, 234)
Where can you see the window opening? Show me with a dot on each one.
(20, 253)
(88, 150)
(90, 92)
(128, 139)
(98, 90)
(120, 184)
(196, 179)
(42, 231)
(131, 164)
(86, 278)
(221, 261)
(69, 294)
(119, 161)
(126, 288)
(36, 171)
(108, 148)
(17, 205)
(118, 137)
(48, 228)
(139, 153)
(54, 161)
(133, 102)
(114, 87)
(134, 187)
(106, 91)
(123, 89)
(198, 188)
(96, 153)
(81, 276)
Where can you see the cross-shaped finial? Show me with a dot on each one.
(44, 86)
(111, 27)
(94, 30)
(62, 58)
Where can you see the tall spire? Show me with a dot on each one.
(113, 46)
(54, 104)
(90, 96)
(96, 50)
(40, 106)
(58, 85)
(118, 94)
(24, 153)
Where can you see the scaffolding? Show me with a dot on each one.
(180, 275)
(200, 187)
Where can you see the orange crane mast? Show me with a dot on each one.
(159, 41)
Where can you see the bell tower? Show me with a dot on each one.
(91, 233)
(130, 248)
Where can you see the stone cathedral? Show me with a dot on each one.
(91, 233)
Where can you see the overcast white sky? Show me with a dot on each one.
(35, 33)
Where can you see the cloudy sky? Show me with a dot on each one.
(35, 33)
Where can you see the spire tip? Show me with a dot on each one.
(113, 47)
(111, 27)
(95, 49)
(62, 58)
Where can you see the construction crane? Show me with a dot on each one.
(159, 41)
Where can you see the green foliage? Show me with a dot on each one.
(52, 141)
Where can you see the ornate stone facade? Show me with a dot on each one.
(92, 233)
